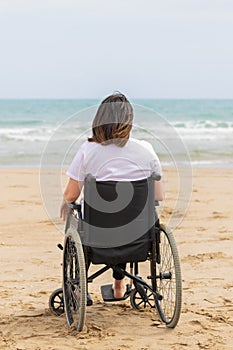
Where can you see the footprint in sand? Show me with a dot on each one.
(201, 229)
(218, 215)
(204, 256)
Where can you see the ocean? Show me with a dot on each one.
(47, 133)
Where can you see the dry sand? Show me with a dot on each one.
(30, 271)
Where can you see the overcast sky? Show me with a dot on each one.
(89, 48)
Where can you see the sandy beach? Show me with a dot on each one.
(31, 271)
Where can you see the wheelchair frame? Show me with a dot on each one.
(163, 294)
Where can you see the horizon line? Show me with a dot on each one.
(99, 98)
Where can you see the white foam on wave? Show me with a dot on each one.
(203, 124)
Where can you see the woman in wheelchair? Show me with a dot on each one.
(110, 154)
(116, 222)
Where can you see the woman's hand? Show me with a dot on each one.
(64, 210)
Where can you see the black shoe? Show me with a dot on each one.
(89, 300)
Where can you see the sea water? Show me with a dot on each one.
(37, 133)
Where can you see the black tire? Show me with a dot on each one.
(168, 281)
(74, 280)
(56, 302)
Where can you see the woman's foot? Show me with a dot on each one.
(119, 289)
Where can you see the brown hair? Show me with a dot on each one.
(113, 121)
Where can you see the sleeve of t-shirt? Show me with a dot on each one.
(155, 162)
(156, 165)
(76, 170)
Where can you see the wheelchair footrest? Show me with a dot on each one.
(107, 293)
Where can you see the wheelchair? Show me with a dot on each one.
(118, 224)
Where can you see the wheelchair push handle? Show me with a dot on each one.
(76, 206)
(156, 177)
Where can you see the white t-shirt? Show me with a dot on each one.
(134, 161)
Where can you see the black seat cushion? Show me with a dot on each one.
(133, 252)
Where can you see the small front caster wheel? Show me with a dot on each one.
(139, 302)
(56, 302)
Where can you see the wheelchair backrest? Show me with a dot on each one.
(117, 212)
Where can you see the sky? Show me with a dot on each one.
(90, 48)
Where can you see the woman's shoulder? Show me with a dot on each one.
(141, 144)
(87, 145)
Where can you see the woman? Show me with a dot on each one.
(111, 155)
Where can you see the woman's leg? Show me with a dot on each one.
(118, 275)
(119, 283)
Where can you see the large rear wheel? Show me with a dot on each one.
(168, 282)
(74, 280)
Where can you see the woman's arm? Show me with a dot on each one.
(72, 192)
(159, 192)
